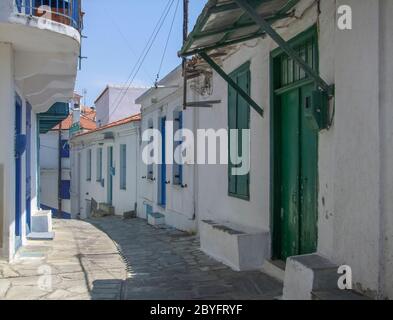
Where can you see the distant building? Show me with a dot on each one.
(116, 103)
(104, 167)
(56, 187)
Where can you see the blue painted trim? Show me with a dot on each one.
(28, 167)
(55, 212)
(18, 175)
(163, 165)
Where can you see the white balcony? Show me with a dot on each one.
(45, 38)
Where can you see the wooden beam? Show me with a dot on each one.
(232, 83)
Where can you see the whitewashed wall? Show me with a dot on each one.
(83, 190)
(355, 225)
(7, 159)
(49, 163)
(180, 208)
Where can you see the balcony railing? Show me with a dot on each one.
(67, 12)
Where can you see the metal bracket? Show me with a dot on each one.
(247, 8)
(232, 83)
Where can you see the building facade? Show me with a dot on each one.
(116, 103)
(55, 166)
(319, 181)
(104, 164)
(166, 190)
(38, 62)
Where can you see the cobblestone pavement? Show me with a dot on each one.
(111, 258)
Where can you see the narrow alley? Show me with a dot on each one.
(111, 258)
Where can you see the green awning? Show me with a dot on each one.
(223, 23)
(56, 114)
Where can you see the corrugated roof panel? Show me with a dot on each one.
(222, 22)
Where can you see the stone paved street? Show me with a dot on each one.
(111, 258)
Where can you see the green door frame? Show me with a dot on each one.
(274, 118)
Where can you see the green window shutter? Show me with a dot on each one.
(123, 167)
(232, 123)
(239, 118)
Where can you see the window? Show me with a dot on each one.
(123, 167)
(150, 166)
(99, 165)
(88, 165)
(177, 168)
(239, 118)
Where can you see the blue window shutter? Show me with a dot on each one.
(177, 168)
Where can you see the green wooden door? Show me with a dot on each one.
(289, 165)
(298, 175)
(308, 176)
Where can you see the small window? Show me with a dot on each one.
(88, 165)
(123, 167)
(177, 168)
(99, 165)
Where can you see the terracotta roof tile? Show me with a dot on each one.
(133, 118)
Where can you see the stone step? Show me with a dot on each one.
(107, 208)
(156, 219)
(309, 273)
(39, 236)
(337, 294)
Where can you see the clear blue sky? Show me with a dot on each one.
(112, 53)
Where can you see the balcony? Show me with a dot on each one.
(45, 36)
(67, 12)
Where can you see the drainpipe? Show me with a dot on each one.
(60, 209)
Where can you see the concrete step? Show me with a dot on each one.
(156, 219)
(41, 221)
(129, 215)
(108, 209)
(337, 294)
(309, 273)
(40, 236)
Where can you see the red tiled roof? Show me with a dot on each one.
(87, 120)
(133, 118)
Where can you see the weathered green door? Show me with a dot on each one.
(295, 152)
(298, 167)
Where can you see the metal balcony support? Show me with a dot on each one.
(232, 83)
(247, 8)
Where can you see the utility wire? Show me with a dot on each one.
(127, 42)
(143, 56)
(167, 42)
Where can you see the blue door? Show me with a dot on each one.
(28, 167)
(162, 181)
(18, 173)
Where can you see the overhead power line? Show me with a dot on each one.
(145, 52)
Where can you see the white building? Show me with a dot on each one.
(53, 149)
(38, 63)
(310, 190)
(166, 192)
(104, 163)
(116, 103)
